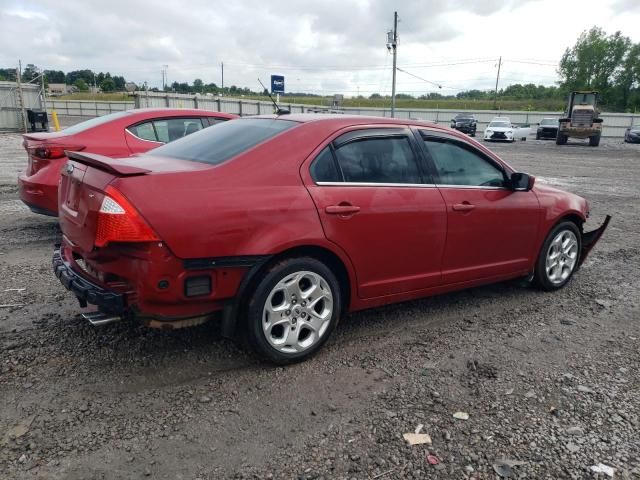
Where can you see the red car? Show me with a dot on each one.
(119, 134)
(283, 224)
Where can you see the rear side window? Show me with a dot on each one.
(228, 139)
(323, 168)
(213, 120)
(378, 160)
(171, 129)
(144, 131)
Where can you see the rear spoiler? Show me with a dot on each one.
(111, 165)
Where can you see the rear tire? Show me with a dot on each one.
(594, 141)
(293, 310)
(559, 256)
(561, 139)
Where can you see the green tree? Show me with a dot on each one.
(593, 63)
(108, 85)
(197, 85)
(81, 85)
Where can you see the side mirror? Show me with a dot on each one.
(522, 182)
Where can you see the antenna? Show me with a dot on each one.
(279, 111)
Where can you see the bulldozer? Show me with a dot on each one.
(581, 119)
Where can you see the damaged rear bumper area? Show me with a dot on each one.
(589, 239)
(108, 302)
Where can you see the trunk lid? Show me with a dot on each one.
(84, 179)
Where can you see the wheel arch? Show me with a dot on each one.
(341, 267)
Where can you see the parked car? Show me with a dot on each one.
(284, 224)
(501, 129)
(465, 123)
(632, 134)
(119, 134)
(547, 128)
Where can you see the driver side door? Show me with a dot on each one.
(491, 229)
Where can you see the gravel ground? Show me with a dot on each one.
(550, 381)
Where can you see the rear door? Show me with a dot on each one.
(491, 229)
(377, 204)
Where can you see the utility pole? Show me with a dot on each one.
(392, 43)
(495, 95)
(222, 81)
(44, 92)
(164, 77)
(23, 113)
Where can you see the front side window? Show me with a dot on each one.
(171, 129)
(458, 165)
(378, 160)
(144, 131)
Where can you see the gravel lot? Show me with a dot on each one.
(550, 381)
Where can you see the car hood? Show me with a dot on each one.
(547, 126)
(499, 129)
(464, 120)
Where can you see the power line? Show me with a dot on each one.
(425, 80)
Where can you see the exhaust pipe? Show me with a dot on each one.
(97, 319)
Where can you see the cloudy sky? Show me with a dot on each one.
(322, 46)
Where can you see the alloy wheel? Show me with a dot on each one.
(562, 256)
(297, 312)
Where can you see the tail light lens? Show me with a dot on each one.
(119, 221)
(47, 152)
(51, 152)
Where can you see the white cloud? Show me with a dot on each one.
(327, 46)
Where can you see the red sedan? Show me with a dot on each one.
(286, 223)
(119, 134)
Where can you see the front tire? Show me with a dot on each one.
(559, 256)
(293, 310)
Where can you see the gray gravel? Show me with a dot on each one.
(550, 380)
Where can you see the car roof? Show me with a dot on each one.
(178, 111)
(340, 120)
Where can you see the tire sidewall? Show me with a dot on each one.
(258, 298)
(541, 276)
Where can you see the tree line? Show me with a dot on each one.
(609, 64)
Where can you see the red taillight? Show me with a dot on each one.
(51, 152)
(119, 221)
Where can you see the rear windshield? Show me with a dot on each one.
(224, 141)
(94, 122)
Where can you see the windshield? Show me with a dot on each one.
(224, 141)
(549, 121)
(464, 117)
(584, 99)
(94, 122)
(500, 124)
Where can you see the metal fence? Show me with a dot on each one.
(87, 108)
(614, 123)
(10, 109)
